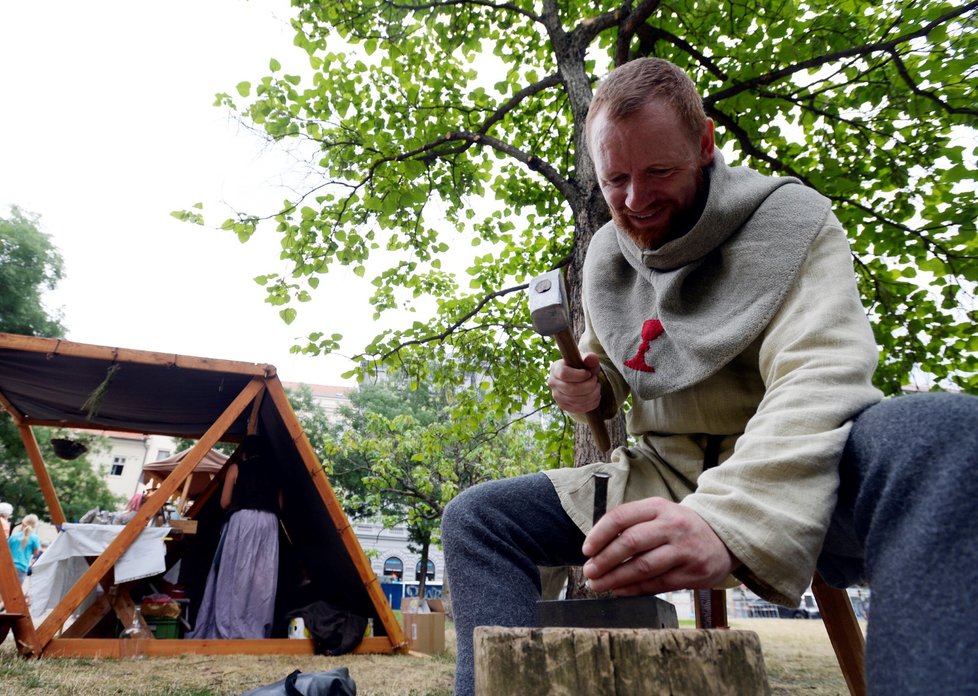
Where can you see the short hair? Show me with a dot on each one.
(6, 509)
(631, 86)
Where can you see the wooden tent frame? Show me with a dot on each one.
(44, 640)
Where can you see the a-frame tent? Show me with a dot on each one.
(55, 383)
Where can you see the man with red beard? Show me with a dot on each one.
(723, 303)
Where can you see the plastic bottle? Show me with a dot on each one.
(133, 642)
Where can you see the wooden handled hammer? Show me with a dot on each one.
(551, 317)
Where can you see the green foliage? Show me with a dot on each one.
(452, 169)
(29, 265)
(405, 450)
(80, 488)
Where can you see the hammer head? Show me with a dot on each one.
(548, 303)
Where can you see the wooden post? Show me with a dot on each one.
(617, 662)
(17, 614)
(844, 632)
(43, 478)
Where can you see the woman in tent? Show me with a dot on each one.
(239, 597)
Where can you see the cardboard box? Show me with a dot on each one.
(424, 631)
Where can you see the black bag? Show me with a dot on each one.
(336, 682)
(334, 631)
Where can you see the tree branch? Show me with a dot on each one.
(926, 94)
(461, 320)
(492, 6)
(865, 49)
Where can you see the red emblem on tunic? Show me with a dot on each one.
(651, 330)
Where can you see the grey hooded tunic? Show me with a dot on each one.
(748, 327)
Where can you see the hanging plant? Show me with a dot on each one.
(94, 399)
(68, 449)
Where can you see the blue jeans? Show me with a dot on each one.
(907, 522)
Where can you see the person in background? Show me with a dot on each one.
(239, 597)
(6, 510)
(25, 546)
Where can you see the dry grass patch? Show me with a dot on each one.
(211, 675)
(797, 655)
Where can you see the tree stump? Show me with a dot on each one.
(617, 662)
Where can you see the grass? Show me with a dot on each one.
(797, 655)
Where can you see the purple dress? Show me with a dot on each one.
(239, 597)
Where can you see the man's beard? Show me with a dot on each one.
(680, 220)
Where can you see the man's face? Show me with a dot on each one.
(649, 170)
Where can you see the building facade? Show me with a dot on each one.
(396, 565)
(121, 463)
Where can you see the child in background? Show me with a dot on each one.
(25, 545)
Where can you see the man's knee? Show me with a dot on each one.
(472, 509)
(455, 514)
(467, 504)
(918, 450)
(922, 423)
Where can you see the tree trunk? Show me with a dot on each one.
(423, 580)
(624, 662)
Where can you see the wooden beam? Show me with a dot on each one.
(315, 470)
(844, 632)
(123, 605)
(89, 618)
(182, 500)
(90, 578)
(108, 647)
(54, 346)
(41, 471)
(14, 602)
(255, 412)
(82, 424)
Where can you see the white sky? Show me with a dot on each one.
(107, 125)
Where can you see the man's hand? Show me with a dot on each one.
(654, 545)
(576, 391)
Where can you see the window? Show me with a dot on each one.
(118, 464)
(162, 454)
(394, 566)
(430, 573)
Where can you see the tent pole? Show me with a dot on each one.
(15, 605)
(37, 461)
(41, 471)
